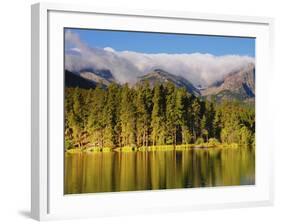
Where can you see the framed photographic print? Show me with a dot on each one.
(148, 111)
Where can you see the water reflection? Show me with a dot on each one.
(131, 171)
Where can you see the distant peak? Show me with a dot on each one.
(159, 70)
(161, 76)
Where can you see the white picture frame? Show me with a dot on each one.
(47, 199)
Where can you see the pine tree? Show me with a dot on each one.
(110, 115)
(128, 117)
(195, 118)
(245, 136)
(204, 131)
(210, 117)
(96, 121)
(171, 114)
(158, 116)
(143, 106)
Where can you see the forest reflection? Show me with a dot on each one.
(89, 172)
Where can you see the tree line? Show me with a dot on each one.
(141, 116)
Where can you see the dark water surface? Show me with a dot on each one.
(90, 172)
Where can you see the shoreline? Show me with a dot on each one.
(203, 146)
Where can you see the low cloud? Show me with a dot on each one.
(127, 66)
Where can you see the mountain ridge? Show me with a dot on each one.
(161, 76)
(72, 79)
(238, 84)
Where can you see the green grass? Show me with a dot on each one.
(205, 145)
(74, 150)
(90, 149)
(98, 149)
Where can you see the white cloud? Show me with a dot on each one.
(109, 49)
(75, 49)
(126, 66)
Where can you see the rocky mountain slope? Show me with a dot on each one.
(161, 76)
(238, 84)
(74, 80)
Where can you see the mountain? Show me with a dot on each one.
(239, 85)
(97, 75)
(88, 78)
(161, 76)
(102, 76)
(74, 80)
(92, 77)
(236, 85)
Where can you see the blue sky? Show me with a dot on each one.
(167, 43)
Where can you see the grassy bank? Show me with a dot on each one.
(157, 148)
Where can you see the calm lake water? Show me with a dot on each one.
(130, 171)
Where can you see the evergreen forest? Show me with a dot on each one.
(145, 116)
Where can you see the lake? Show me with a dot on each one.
(90, 172)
